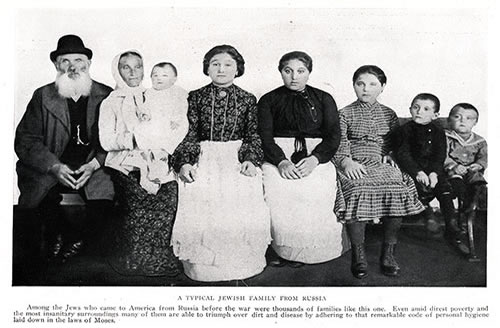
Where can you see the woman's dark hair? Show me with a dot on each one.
(225, 49)
(130, 53)
(370, 69)
(299, 55)
(466, 106)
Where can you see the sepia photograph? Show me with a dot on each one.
(281, 162)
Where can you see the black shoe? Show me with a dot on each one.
(55, 248)
(294, 264)
(71, 250)
(454, 238)
(388, 262)
(359, 264)
(277, 262)
(452, 227)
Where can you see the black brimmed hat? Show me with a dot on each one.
(70, 44)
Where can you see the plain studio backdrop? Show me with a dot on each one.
(441, 51)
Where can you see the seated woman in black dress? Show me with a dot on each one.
(299, 127)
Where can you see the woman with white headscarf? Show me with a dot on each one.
(145, 184)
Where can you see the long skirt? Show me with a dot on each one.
(142, 237)
(222, 226)
(304, 227)
(385, 191)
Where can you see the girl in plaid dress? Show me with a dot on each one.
(372, 186)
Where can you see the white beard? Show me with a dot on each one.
(67, 87)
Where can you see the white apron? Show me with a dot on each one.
(304, 227)
(222, 228)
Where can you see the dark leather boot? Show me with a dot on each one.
(452, 227)
(277, 262)
(71, 250)
(388, 262)
(454, 234)
(55, 247)
(472, 206)
(359, 264)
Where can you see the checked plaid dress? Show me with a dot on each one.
(384, 190)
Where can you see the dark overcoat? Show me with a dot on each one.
(43, 134)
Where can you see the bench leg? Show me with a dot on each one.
(470, 233)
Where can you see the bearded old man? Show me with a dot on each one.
(58, 148)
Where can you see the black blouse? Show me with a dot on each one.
(311, 113)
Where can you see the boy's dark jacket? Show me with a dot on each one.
(420, 148)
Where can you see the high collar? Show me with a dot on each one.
(220, 88)
(222, 92)
(366, 105)
(305, 91)
(430, 125)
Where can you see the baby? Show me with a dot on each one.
(421, 151)
(166, 98)
(163, 126)
(467, 157)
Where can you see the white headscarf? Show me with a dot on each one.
(152, 163)
(133, 108)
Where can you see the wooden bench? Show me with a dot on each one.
(73, 200)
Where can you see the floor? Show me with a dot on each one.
(425, 261)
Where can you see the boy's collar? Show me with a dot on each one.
(453, 134)
(430, 123)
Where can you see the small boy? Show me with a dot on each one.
(467, 156)
(421, 151)
(163, 126)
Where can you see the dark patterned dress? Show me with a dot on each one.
(384, 190)
(142, 239)
(234, 118)
(222, 229)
